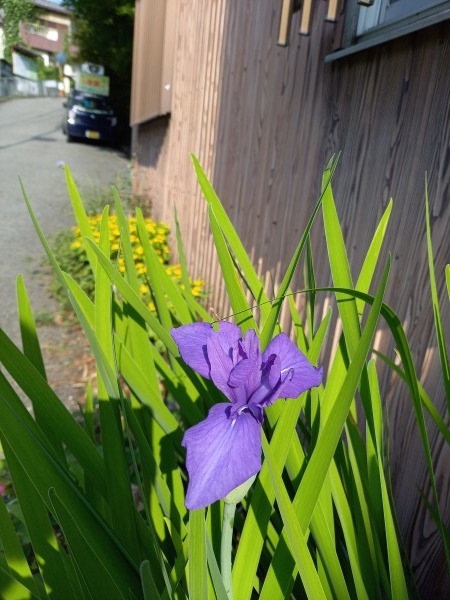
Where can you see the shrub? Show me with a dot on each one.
(72, 257)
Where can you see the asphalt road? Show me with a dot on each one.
(31, 146)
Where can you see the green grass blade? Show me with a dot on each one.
(45, 545)
(344, 511)
(424, 397)
(89, 562)
(80, 214)
(397, 577)
(30, 341)
(149, 588)
(443, 354)
(219, 588)
(57, 418)
(372, 256)
(321, 458)
(257, 520)
(81, 298)
(40, 465)
(12, 548)
(447, 278)
(239, 304)
(59, 274)
(297, 542)
(144, 391)
(12, 589)
(340, 269)
(233, 239)
(411, 379)
(198, 570)
(135, 301)
(163, 287)
(116, 464)
(32, 351)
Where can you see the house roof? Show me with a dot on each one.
(52, 7)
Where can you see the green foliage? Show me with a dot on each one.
(15, 11)
(50, 72)
(73, 259)
(102, 498)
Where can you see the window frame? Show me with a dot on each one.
(382, 25)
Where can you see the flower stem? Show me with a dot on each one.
(226, 545)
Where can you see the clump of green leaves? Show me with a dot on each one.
(104, 501)
(15, 12)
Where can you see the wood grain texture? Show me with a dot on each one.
(264, 121)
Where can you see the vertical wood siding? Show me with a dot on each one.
(152, 59)
(264, 121)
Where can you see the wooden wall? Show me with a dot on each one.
(264, 121)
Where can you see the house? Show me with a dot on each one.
(46, 36)
(50, 32)
(264, 93)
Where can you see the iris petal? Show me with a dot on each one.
(241, 373)
(295, 364)
(221, 366)
(222, 453)
(191, 341)
(229, 336)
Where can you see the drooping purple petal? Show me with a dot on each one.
(294, 364)
(222, 453)
(191, 340)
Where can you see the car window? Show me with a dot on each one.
(91, 103)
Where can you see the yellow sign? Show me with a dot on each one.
(92, 84)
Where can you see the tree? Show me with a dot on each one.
(14, 11)
(104, 35)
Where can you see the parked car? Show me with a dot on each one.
(89, 116)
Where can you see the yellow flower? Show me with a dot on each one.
(141, 269)
(75, 245)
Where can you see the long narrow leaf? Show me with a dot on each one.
(321, 458)
(30, 341)
(198, 572)
(443, 354)
(297, 541)
(239, 304)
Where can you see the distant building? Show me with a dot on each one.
(47, 36)
(50, 32)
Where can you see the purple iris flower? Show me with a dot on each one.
(224, 450)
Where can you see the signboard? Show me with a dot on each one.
(92, 84)
(92, 68)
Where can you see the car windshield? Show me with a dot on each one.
(91, 103)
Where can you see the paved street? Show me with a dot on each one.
(31, 145)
